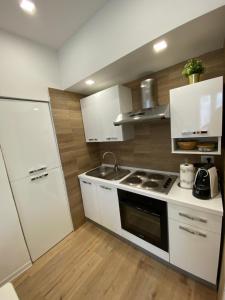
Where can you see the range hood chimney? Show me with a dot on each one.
(150, 109)
(147, 94)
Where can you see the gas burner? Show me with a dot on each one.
(134, 180)
(140, 173)
(150, 185)
(155, 176)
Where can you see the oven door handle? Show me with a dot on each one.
(147, 211)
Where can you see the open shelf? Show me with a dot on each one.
(216, 140)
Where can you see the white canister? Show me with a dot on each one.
(187, 175)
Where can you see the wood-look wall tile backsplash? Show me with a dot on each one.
(76, 155)
(151, 147)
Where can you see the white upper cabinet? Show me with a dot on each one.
(90, 114)
(27, 137)
(196, 114)
(100, 110)
(196, 109)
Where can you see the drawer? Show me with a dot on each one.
(194, 250)
(194, 217)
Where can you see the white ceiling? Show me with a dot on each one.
(55, 21)
(202, 35)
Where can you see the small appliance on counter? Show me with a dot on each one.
(206, 182)
(187, 175)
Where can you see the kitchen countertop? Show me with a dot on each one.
(176, 195)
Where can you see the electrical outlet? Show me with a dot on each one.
(207, 159)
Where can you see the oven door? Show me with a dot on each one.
(144, 217)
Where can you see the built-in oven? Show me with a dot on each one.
(144, 217)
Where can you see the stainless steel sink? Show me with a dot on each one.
(108, 173)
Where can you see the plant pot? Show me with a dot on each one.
(193, 78)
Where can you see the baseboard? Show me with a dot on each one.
(16, 273)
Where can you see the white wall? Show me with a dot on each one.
(120, 27)
(27, 69)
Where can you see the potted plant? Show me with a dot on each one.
(193, 69)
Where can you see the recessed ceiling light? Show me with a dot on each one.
(160, 46)
(28, 6)
(89, 82)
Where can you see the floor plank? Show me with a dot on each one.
(92, 264)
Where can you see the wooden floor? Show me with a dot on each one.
(92, 264)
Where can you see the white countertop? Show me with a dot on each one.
(7, 292)
(176, 195)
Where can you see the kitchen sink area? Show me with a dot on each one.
(108, 173)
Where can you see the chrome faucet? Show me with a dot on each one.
(116, 167)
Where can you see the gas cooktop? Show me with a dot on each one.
(158, 182)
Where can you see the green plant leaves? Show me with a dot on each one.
(193, 66)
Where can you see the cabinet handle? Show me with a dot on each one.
(86, 182)
(193, 218)
(105, 187)
(111, 138)
(193, 231)
(194, 132)
(37, 170)
(39, 177)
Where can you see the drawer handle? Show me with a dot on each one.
(37, 170)
(92, 139)
(193, 231)
(105, 187)
(193, 218)
(86, 182)
(39, 177)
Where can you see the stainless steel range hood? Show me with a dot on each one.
(150, 110)
(156, 113)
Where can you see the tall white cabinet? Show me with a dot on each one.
(101, 109)
(30, 151)
(14, 256)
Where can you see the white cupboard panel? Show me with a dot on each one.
(90, 201)
(14, 256)
(91, 114)
(27, 137)
(194, 250)
(44, 211)
(197, 107)
(101, 109)
(109, 207)
(110, 108)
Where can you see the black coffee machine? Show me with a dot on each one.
(206, 182)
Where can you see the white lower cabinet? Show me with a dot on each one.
(193, 248)
(101, 204)
(90, 201)
(109, 207)
(194, 235)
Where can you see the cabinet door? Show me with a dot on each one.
(14, 256)
(109, 206)
(197, 107)
(90, 200)
(27, 137)
(194, 250)
(91, 114)
(44, 211)
(110, 108)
